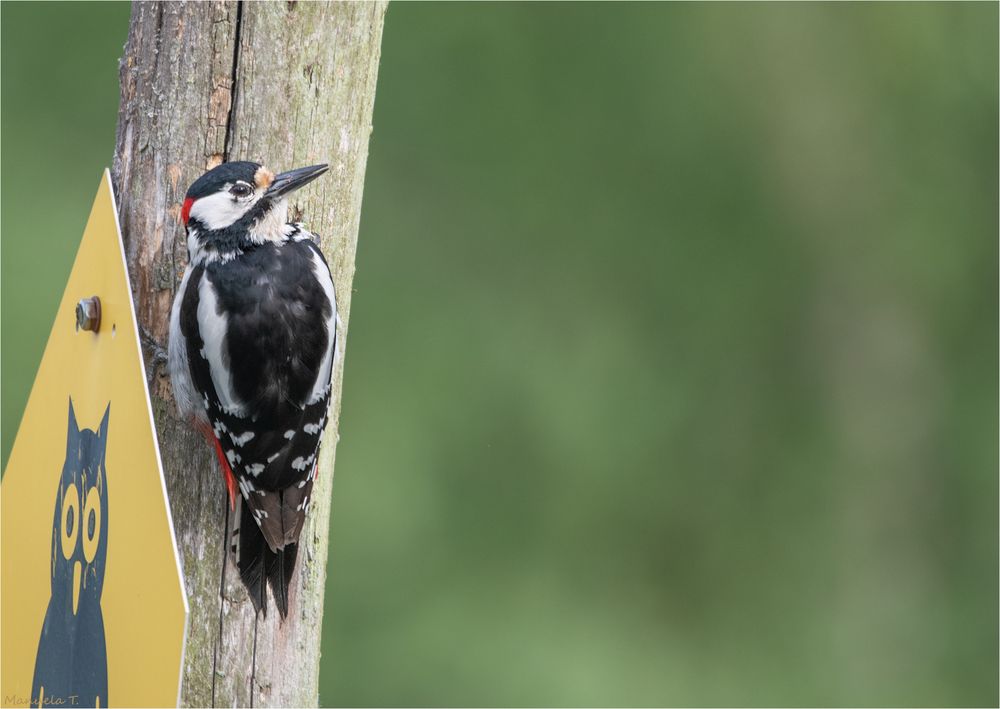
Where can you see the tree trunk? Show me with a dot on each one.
(286, 84)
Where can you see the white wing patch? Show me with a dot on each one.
(177, 359)
(213, 326)
(322, 384)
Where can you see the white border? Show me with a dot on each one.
(152, 427)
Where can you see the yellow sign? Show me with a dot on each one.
(93, 608)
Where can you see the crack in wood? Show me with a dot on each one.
(222, 602)
(226, 150)
(253, 663)
(227, 144)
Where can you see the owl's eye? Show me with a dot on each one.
(70, 520)
(91, 524)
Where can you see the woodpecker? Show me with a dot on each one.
(253, 338)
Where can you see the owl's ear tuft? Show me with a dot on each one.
(102, 436)
(72, 431)
(102, 432)
(73, 427)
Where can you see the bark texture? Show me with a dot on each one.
(286, 84)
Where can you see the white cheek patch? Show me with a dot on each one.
(219, 210)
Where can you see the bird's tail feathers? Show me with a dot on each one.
(260, 567)
(280, 565)
(251, 558)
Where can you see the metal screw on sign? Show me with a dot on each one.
(88, 314)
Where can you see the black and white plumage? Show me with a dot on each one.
(253, 339)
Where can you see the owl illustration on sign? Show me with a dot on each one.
(71, 667)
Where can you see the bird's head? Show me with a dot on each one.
(237, 200)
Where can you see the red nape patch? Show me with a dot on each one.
(186, 210)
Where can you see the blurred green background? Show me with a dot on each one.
(672, 374)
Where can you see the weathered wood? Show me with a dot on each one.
(287, 84)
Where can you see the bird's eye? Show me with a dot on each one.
(240, 190)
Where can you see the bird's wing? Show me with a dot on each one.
(261, 340)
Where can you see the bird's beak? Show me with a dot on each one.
(293, 179)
